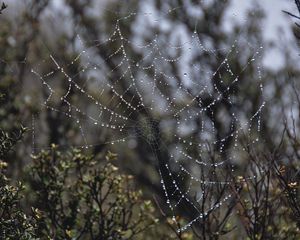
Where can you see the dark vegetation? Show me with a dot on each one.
(65, 192)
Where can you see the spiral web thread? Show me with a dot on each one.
(146, 78)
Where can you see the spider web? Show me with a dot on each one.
(151, 99)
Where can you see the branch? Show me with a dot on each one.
(291, 14)
(298, 4)
(3, 6)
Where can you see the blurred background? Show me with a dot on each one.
(180, 89)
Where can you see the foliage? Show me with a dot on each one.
(76, 195)
(80, 197)
(7, 141)
(261, 207)
(14, 223)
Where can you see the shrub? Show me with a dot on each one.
(14, 223)
(82, 197)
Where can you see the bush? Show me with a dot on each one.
(81, 197)
(14, 223)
